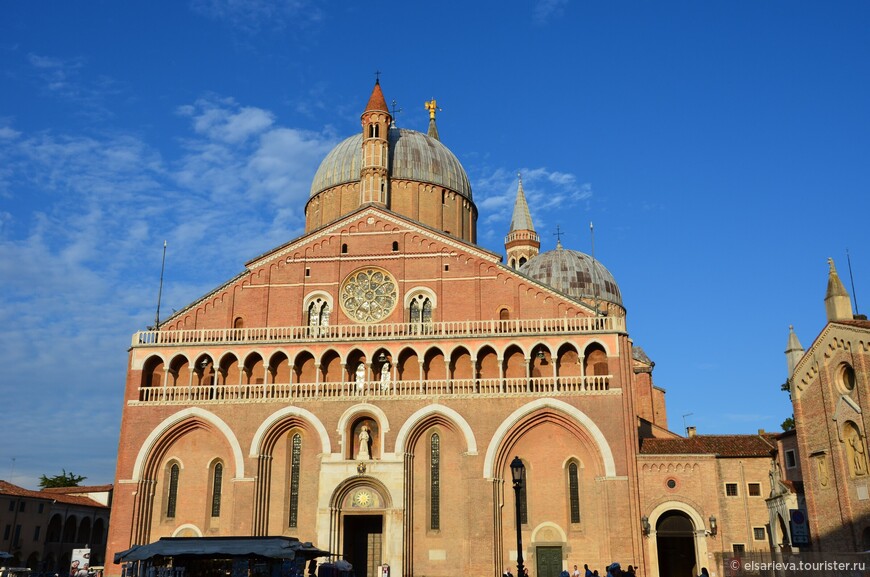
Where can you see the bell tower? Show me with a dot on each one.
(522, 242)
(374, 178)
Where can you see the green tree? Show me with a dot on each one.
(63, 480)
(788, 424)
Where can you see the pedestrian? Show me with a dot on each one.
(704, 572)
(576, 572)
(588, 572)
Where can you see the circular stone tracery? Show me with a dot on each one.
(369, 295)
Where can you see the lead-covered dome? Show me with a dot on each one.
(574, 274)
(413, 156)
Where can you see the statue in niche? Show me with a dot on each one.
(361, 376)
(365, 439)
(855, 450)
(823, 470)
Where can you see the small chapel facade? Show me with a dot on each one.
(366, 386)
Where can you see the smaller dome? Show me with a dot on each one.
(571, 273)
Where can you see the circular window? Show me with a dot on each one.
(671, 483)
(369, 295)
(847, 377)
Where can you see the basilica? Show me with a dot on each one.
(368, 385)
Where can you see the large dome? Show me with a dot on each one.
(413, 156)
(571, 273)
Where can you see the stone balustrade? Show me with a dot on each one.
(382, 331)
(390, 389)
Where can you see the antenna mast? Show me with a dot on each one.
(160, 290)
(852, 280)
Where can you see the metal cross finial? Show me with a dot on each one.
(558, 234)
(377, 76)
(395, 108)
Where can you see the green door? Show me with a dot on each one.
(549, 561)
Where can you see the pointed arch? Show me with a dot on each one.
(268, 424)
(193, 414)
(455, 419)
(490, 466)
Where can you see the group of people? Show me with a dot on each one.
(612, 570)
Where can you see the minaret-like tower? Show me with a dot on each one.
(794, 352)
(522, 243)
(838, 305)
(374, 178)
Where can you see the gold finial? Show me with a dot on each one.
(831, 265)
(432, 107)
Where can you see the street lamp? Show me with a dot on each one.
(518, 473)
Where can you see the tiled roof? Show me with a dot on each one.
(7, 488)
(860, 323)
(719, 445)
(73, 490)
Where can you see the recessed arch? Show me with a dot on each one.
(179, 417)
(498, 438)
(287, 412)
(422, 414)
(187, 530)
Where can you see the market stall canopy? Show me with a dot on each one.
(222, 548)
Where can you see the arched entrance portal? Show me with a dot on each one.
(675, 536)
(361, 524)
(363, 543)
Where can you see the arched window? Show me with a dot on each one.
(574, 492)
(318, 313)
(435, 482)
(172, 497)
(217, 481)
(295, 466)
(524, 504)
(420, 314)
(395, 246)
(522, 260)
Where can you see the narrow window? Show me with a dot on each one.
(344, 248)
(295, 466)
(524, 508)
(217, 481)
(758, 533)
(307, 271)
(21, 506)
(6, 532)
(173, 491)
(41, 507)
(447, 266)
(574, 492)
(36, 533)
(435, 482)
(395, 246)
(790, 461)
(414, 314)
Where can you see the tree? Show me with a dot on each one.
(63, 480)
(788, 424)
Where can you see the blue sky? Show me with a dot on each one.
(720, 148)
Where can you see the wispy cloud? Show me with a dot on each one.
(62, 77)
(254, 15)
(546, 10)
(545, 189)
(80, 254)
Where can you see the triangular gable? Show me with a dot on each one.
(833, 336)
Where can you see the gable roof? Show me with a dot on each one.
(7, 488)
(725, 446)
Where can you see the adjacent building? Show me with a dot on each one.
(40, 529)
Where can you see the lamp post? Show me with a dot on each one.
(518, 473)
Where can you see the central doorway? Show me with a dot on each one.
(548, 561)
(363, 543)
(675, 537)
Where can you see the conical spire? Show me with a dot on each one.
(794, 352)
(522, 218)
(376, 100)
(522, 243)
(838, 305)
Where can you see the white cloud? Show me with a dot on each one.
(253, 15)
(545, 10)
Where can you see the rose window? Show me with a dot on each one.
(369, 295)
